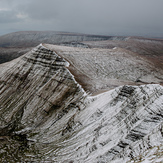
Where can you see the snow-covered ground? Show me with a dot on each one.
(46, 116)
(99, 69)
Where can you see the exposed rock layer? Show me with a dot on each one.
(47, 116)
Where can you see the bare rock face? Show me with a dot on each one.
(47, 116)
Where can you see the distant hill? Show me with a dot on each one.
(16, 44)
(33, 38)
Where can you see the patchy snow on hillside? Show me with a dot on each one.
(108, 68)
(49, 117)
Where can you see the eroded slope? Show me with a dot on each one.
(47, 116)
(151, 49)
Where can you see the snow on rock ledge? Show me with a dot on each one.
(37, 85)
(46, 116)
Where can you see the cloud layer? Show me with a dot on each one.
(110, 17)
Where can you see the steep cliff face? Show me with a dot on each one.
(47, 116)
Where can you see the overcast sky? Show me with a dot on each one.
(107, 17)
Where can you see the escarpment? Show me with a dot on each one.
(37, 86)
(46, 116)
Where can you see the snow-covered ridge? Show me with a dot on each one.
(46, 116)
(67, 64)
(98, 69)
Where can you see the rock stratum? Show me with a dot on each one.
(52, 109)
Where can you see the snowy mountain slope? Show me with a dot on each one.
(151, 49)
(46, 116)
(8, 54)
(99, 69)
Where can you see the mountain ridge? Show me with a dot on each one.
(16, 44)
(33, 38)
(48, 117)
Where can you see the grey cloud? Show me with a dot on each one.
(91, 16)
(39, 11)
(9, 16)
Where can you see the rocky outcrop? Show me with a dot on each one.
(46, 116)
